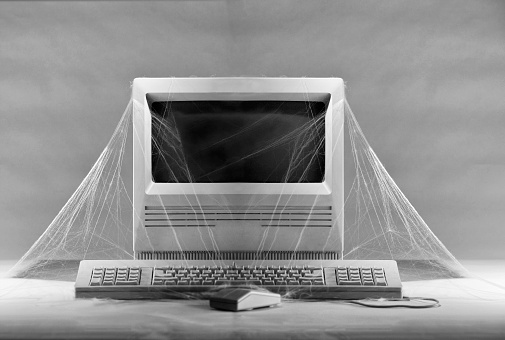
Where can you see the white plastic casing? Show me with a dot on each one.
(239, 217)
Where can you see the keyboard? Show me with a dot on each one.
(161, 279)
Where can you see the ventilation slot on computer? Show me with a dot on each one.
(267, 216)
(237, 255)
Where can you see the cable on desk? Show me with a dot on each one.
(402, 302)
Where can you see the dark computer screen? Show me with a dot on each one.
(246, 141)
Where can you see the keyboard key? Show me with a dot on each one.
(381, 282)
(315, 273)
(238, 282)
(95, 282)
(123, 283)
(311, 279)
(330, 276)
(349, 283)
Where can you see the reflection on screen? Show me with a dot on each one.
(238, 141)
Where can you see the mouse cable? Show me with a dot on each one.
(418, 302)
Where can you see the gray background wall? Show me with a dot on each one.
(425, 79)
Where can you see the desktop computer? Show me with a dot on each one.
(238, 182)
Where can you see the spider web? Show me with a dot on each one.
(380, 222)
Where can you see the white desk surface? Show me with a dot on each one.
(471, 308)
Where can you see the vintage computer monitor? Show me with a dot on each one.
(238, 168)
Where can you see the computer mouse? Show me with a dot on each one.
(239, 299)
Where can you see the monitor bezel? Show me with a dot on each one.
(241, 89)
